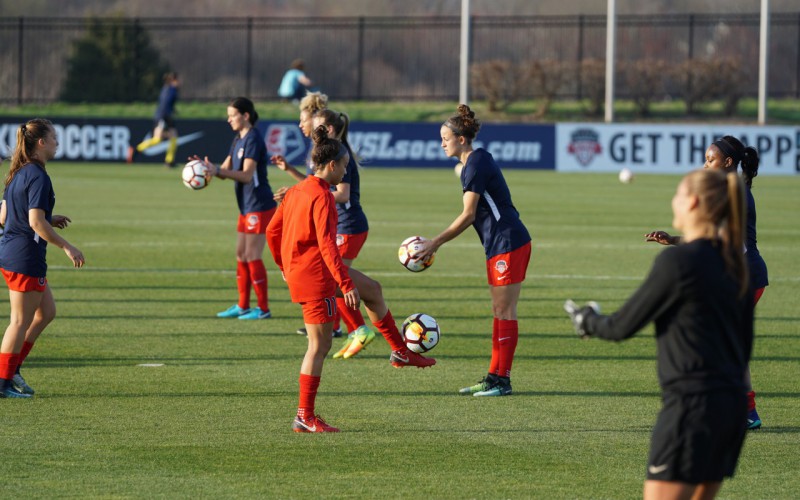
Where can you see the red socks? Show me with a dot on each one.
(243, 283)
(308, 394)
(26, 349)
(388, 329)
(8, 365)
(507, 336)
(495, 362)
(352, 317)
(258, 277)
(751, 401)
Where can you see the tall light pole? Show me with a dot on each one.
(611, 36)
(463, 73)
(763, 56)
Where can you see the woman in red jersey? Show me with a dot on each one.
(302, 238)
(27, 214)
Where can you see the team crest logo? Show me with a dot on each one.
(240, 153)
(585, 145)
(42, 281)
(339, 240)
(252, 220)
(286, 140)
(501, 266)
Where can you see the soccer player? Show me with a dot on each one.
(352, 228)
(506, 242)
(27, 214)
(727, 154)
(164, 123)
(698, 296)
(302, 238)
(246, 164)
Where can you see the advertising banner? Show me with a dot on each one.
(673, 148)
(377, 144)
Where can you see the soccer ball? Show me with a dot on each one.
(194, 175)
(625, 176)
(421, 332)
(408, 249)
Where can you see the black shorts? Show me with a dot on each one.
(698, 437)
(165, 123)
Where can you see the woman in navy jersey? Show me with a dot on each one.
(698, 296)
(506, 242)
(27, 214)
(727, 154)
(352, 228)
(247, 166)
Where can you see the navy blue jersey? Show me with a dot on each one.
(256, 195)
(352, 219)
(166, 102)
(758, 268)
(496, 220)
(21, 249)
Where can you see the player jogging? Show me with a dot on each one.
(698, 296)
(163, 122)
(247, 165)
(506, 242)
(727, 154)
(302, 238)
(27, 214)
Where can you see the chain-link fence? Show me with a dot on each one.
(381, 58)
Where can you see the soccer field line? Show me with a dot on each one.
(384, 274)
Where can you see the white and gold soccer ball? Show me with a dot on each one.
(195, 175)
(407, 252)
(421, 332)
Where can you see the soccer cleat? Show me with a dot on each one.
(20, 385)
(313, 423)
(483, 385)
(10, 392)
(256, 313)
(233, 311)
(337, 333)
(753, 420)
(302, 331)
(500, 388)
(338, 354)
(406, 357)
(361, 337)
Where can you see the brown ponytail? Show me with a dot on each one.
(28, 135)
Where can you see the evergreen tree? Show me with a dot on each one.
(114, 62)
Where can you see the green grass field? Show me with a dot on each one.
(214, 420)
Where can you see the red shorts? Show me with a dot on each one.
(757, 295)
(350, 244)
(509, 268)
(19, 282)
(255, 222)
(318, 312)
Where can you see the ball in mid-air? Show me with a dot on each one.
(625, 176)
(195, 175)
(421, 332)
(407, 252)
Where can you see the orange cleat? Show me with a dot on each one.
(406, 357)
(313, 423)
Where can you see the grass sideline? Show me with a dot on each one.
(779, 111)
(214, 421)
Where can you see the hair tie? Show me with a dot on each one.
(728, 150)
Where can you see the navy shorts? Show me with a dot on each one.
(698, 437)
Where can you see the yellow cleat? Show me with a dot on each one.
(361, 337)
(338, 354)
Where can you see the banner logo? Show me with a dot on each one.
(585, 145)
(285, 140)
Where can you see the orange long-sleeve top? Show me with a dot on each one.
(302, 239)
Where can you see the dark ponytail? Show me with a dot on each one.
(245, 105)
(325, 148)
(747, 156)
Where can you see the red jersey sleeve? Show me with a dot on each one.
(274, 235)
(325, 221)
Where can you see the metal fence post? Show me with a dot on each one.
(20, 79)
(248, 57)
(580, 56)
(360, 62)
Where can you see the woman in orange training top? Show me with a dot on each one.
(302, 238)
